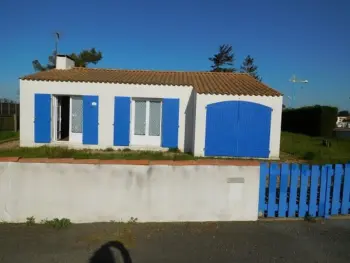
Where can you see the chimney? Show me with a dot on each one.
(64, 62)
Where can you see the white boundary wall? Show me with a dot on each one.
(275, 103)
(100, 193)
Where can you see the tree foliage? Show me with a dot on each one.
(50, 65)
(5, 100)
(82, 59)
(343, 113)
(223, 61)
(249, 67)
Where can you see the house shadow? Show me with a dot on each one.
(111, 252)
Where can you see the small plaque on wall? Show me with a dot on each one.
(236, 180)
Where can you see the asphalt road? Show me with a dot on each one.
(297, 241)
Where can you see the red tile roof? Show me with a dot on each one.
(202, 82)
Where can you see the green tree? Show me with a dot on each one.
(343, 113)
(249, 67)
(224, 60)
(82, 59)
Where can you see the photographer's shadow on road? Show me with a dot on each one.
(111, 252)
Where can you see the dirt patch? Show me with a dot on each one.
(9, 145)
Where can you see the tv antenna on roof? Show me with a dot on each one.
(57, 39)
(295, 80)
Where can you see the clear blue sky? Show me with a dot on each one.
(307, 37)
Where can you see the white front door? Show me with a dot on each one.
(76, 119)
(146, 122)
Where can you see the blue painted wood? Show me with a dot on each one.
(328, 190)
(231, 129)
(221, 129)
(295, 174)
(324, 179)
(346, 191)
(253, 141)
(336, 189)
(282, 205)
(90, 120)
(42, 118)
(305, 173)
(315, 175)
(121, 135)
(323, 188)
(274, 173)
(170, 123)
(264, 172)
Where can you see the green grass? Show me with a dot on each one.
(312, 150)
(5, 135)
(294, 147)
(60, 152)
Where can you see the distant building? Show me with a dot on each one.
(343, 122)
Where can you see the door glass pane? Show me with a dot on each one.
(77, 114)
(140, 117)
(154, 118)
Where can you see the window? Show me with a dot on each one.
(154, 118)
(147, 117)
(140, 117)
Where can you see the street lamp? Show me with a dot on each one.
(295, 80)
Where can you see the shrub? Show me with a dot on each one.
(57, 223)
(313, 121)
(30, 221)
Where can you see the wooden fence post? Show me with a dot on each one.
(15, 122)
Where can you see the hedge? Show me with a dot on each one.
(313, 120)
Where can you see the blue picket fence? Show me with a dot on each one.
(298, 190)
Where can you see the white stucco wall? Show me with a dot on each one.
(100, 193)
(106, 93)
(275, 103)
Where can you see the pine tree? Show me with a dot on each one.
(223, 61)
(85, 57)
(249, 67)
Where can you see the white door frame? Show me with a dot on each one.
(54, 117)
(144, 140)
(73, 136)
(59, 119)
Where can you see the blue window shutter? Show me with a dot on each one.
(42, 118)
(122, 121)
(170, 123)
(90, 119)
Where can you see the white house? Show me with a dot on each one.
(206, 113)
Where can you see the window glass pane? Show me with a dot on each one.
(77, 114)
(154, 118)
(140, 117)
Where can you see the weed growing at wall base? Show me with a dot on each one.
(57, 223)
(30, 221)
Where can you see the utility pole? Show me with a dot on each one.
(295, 80)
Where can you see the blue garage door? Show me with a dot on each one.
(238, 129)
